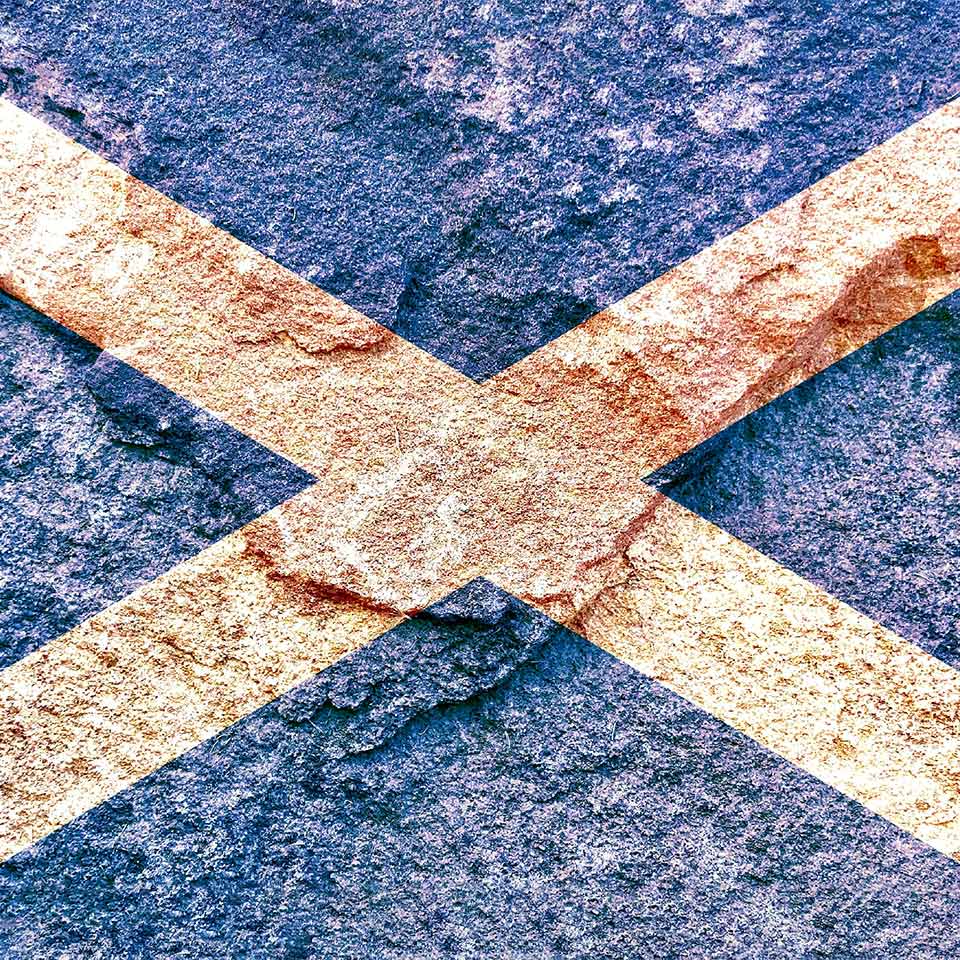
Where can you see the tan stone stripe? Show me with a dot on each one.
(781, 660)
(721, 624)
(160, 672)
(217, 637)
(225, 632)
(756, 313)
(205, 315)
(223, 326)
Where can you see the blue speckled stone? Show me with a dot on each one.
(853, 479)
(107, 480)
(479, 783)
(480, 176)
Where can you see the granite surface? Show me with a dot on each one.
(107, 480)
(479, 782)
(852, 479)
(479, 177)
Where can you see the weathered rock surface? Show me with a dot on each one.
(479, 177)
(107, 480)
(853, 480)
(537, 476)
(479, 783)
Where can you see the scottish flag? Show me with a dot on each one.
(479, 480)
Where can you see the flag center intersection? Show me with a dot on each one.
(426, 480)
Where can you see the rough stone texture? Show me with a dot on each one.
(853, 479)
(479, 783)
(403, 161)
(783, 661)
(479, 177)
(426, 480)
(207, 316)
(419, 469)
(163, 670)
(107, 480)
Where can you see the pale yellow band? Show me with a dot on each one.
(158, 673)
(759, 311)
(204, 314)
(805, 675)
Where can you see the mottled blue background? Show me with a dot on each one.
(853, 479)
(479, 783)
(480, 176)
(107, 480)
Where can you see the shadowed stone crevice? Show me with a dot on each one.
(453, 653)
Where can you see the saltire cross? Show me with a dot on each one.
(420, 480)
(425, 480)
